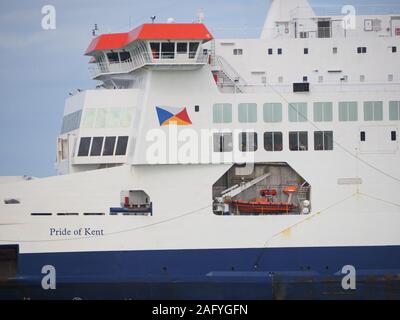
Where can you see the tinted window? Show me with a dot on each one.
(97, 145)
(362, 135)
(113, 57)
(84, 147)
(121, 146)
(125, 56)
(248, 142)
(182, 47)
(273, 141)
(394, 135)
(223, 142)
(155, 49)
(193, 46)
(109, 146)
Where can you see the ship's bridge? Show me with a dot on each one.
(168, 46)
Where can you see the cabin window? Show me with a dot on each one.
(362, 135)
(394, 49)
(270, 51)
(155, 49)
(247, 112)
(167, 50)
(272, 112)
(394, 110)
(298, 112)
(84, 147)
(193, 47)
(324, 28)
(237, 52)
(97, 146)
(305, 50)
(181, 47)
(361, 50)
(8, 263)
(362, 78)
(222, 113)
(280, 51)
(109, 146)
(390, 77)
(373, 110)
(196, 108)
(323, 140)
(223, 142)
(298, 141)
(273, 141)
(113, 57)
(393, 135)
(124, 56)
(323, 111)
(121, 146)
(280, 79)
(334, 50)
(348, 111)
(248, 142)
(320, 79)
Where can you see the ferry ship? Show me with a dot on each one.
(203, 168)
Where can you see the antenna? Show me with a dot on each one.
(153, 18)
(95, 29)
(201, 16)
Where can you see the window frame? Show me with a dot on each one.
(249, 107)
(274, 145)
(221, 137)
(293, 110)
(275, 106)
(326, 113)
(225, 113)
(374, 105)
(245, 142)
(106, 152)
(298, 138)
(84, 152)
(326, 145)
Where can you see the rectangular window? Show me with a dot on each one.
(279, 51)
(272, 112)
(71, 122)
(109, 146)
(323, 140)
(270, 51)
(167, 50)
(237, 52)
(223, 142)
(124, 56)
(394, 110)
(298, 112)
(362, 135)
(155, 49)
(84, 147)
(222, 113)
(121, 146)
(361, 50)
(394, 49)
(113, 57)
(181, 47)
(362, 78)
(393, 135)
(97, 146)
(248, 142)
(305, 50)
(348, 111)
(193, 47)
(323, 111)
(273, 141)
(247, 112)
(373, 111)
(298, 141)
(335, 50)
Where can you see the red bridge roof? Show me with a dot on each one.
(156, 31)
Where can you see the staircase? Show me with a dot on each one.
(228, 74)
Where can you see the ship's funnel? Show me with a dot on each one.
(282, 11)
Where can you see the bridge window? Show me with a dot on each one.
(298, 141)
(223, 142)
(182, 47)
(122, 145)
(272, 112)
(71, 122)
(97, 146)
(109, 146)
(323, 111)
(298, 112)
(167, 50)
(193, 47)
(348, 111)
(222, 113)
(247, 112)
(323, 140)
(373, 110)
(273, 141)
(84, 147)
(155, 49)
(113, 57)
(248, 142)
(124, 56)
(394, 110)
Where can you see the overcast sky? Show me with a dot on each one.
(39, 68)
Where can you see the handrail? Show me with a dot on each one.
(140, 60)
